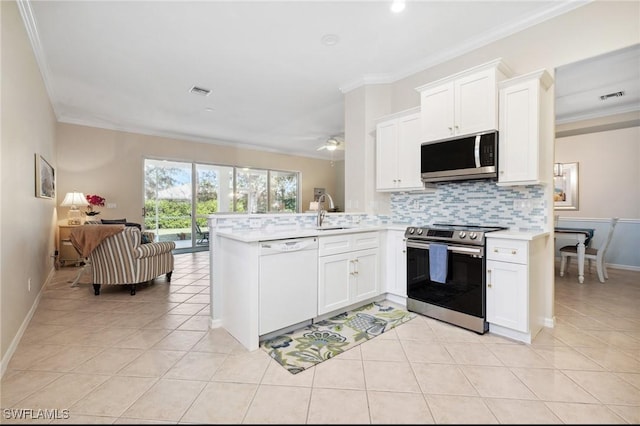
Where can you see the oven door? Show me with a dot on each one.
(464, 290)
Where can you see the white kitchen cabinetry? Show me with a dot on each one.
(398, 152)
(526, 129)
(514, 297)
(461, 104)
(347, 270)
(396, 266)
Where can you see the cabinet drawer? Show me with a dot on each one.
(365, 240)
(336, 244)
(513, 251)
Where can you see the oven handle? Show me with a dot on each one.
(476, 251)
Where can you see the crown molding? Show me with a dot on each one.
(489, 37)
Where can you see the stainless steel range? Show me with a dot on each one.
(446, 272)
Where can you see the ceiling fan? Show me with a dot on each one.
(332, 144)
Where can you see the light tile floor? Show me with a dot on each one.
(150, 358)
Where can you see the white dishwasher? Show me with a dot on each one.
(288, 283)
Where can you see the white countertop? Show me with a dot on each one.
(276, 233)
(514, 234)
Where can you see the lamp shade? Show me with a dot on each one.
(74, 199)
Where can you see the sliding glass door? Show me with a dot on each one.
(168, 199)
(178, 197)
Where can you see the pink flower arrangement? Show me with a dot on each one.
(94, 200)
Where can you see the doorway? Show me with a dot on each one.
(178, 197)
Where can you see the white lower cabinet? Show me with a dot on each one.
(514, 298)
(507, 296)
(349, 276)
(396, 266)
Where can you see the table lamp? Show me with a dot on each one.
(73, 200)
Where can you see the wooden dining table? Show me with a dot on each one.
(582, 236)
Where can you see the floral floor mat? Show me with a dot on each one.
(300, 349)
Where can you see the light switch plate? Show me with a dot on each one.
(111, 205)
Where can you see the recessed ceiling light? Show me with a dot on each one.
(397, 6)
(200, 91)
(330, 39)
(208, 109)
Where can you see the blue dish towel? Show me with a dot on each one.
(438, 266)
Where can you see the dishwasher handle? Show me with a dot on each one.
(285, 246)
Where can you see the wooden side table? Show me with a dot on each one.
(66, 252)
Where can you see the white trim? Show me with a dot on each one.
(23, 327)
(625, 267)
(597, 219)
(475, 43)
(609, 265)
(24, 6)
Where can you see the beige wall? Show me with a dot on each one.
(608, 172)
(27, 225)
(110, 163)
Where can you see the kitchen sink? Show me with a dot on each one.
(331, 228)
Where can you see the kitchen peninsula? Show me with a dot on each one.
(283, 271)
(272, 273)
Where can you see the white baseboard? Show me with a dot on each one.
(609, 266)
(23, 327)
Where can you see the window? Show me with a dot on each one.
(179, 196)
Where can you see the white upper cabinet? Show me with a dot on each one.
(398, 152)
(526, 129)
(461, 104)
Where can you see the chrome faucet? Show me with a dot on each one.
(321, 210)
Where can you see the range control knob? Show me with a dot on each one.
(420, 230)
(473, 235)
(462, 234)
(412, 230)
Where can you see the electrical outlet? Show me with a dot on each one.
(29, 284)
(255, 223)
(111, 205)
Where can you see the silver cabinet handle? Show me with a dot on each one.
(489, 278)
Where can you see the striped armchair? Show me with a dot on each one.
(122, 259)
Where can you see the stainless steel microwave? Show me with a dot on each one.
(461, 158)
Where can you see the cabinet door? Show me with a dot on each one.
(519, 134)
(396, 261)
(334, 274)
(365, 276)
(507, 295)
(475, 103)
(409, 152)
(387, 155)
(436, 112)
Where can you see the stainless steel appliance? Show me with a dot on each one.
(461, 158)
(461, 298)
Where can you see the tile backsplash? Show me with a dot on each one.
(478, 202)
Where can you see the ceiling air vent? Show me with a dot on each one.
(612, 95)
(200, 91)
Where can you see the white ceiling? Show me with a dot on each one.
(274, 84)
(580, 86)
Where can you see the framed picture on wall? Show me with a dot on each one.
(45, 178)
(565, 186)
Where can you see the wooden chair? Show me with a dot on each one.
(597, 254)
